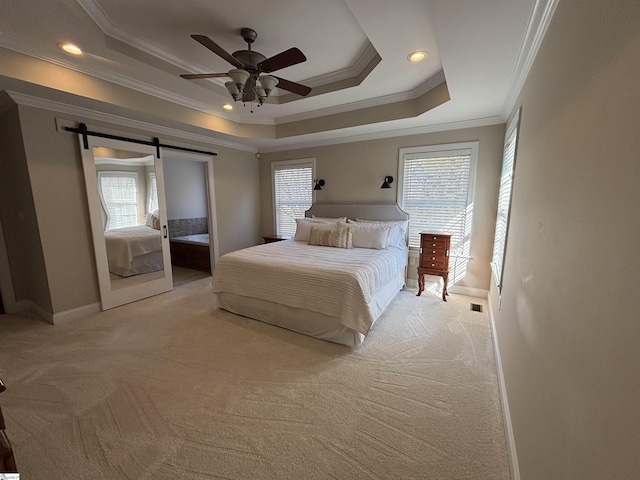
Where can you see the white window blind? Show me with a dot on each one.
(436, 192)
(293, 194)
(504, 200)
(119, 193)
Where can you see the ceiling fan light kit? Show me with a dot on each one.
(247, 80)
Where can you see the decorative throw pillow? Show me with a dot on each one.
(303, 228)
(331, 237)
(369, 235)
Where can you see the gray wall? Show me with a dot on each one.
(18, 216)
(237, 184)
(45, 216)
(185, 188)
(569, 324)
(355, 171)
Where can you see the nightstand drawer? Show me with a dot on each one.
(440, 264)
(430, 251)
(429, 243)
(434, 237)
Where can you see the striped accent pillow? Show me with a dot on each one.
(332, 237)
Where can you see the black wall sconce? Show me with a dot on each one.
(388, 180)
(319, 184)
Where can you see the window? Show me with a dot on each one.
(292, 192)
(153, 193)
(119, 194)
(436, 190)
(504, 199)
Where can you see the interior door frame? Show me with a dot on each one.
(109, 297)
(179, 155)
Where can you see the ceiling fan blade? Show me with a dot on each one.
(293, 87)
(284, 59)
(218, 50)
(195, 76)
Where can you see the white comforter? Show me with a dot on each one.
(123, 244)
(335, 281)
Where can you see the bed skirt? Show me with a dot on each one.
(309, 322)
(147, 263)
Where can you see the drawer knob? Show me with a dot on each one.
(433, 264)
(433, 245)
(435, 238)
(434, 251)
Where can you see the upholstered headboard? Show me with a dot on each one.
(364, 211)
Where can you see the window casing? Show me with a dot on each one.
(119, 198)
(292, 182)
(504, 199)
(436, 188)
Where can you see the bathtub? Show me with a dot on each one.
(191, 251)
(198, 239)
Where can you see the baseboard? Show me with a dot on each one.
(27, 306)
(506, 414)
(469, 291)
(75, 313)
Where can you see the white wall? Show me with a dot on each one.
(568, 323)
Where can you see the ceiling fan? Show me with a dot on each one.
(247, 80)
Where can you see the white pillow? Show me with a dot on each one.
(329, 219)
(398, 235)
(369, 235)
(303, 227)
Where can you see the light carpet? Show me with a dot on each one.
(171, 387)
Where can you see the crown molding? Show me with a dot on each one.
(539, 21)
(366, 57)
(118, 79)
(102, 20)
(401, 132)
(430, 84)
(119, 122)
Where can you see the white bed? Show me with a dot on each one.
(334, 294)
(134, 250)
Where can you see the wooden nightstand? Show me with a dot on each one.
(273, 238)
(434, 259)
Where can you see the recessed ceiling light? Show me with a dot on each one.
(417, 56)
(71, 48)
(228, 107)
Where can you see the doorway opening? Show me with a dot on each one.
(190, 201)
